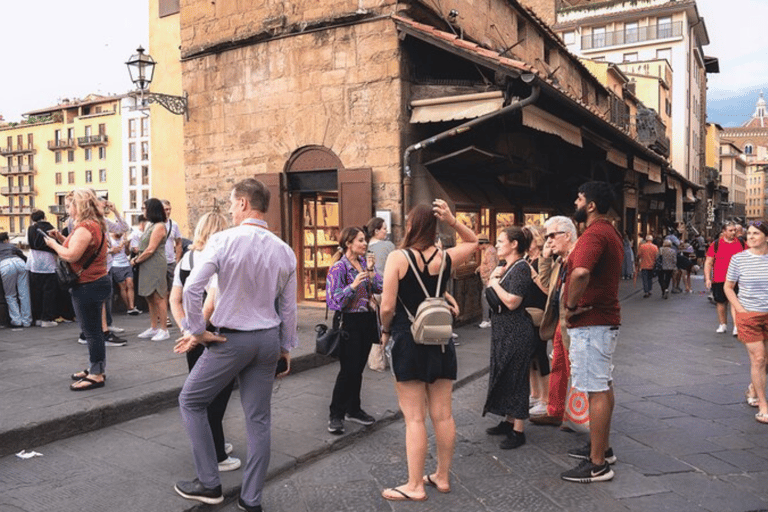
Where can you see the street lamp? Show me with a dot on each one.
(141, 68)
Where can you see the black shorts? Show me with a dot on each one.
(718, 292)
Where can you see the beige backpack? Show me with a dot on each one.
(433, 322)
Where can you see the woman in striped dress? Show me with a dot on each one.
(748, 269)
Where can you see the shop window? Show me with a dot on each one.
(320, 215)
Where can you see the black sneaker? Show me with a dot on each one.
(114, 341)
(514, 440)
(194, 490)
(586, 472)
(583, 453)
(360, 417)
(247, 508)
(502, 429)
(336, 426)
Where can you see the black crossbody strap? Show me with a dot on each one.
(93, 256)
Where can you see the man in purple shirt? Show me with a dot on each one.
(255, 316)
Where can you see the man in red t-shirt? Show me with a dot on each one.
(593, 317)
(719, 257)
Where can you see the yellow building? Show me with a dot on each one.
(168, 158)
(101, 142)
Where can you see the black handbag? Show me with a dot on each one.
(64, 273)
(66, 276)
(328, 341)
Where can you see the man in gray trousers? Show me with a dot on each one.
(255, 318)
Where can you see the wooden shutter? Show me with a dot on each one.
(355, 202)
(274, 216)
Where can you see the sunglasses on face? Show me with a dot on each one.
(550, 236)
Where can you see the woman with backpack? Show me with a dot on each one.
(423, 373)
(350, 285)
(513, 339)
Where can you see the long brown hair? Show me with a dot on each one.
(422, 228)
(346, 237)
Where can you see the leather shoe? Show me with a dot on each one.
(546, 419)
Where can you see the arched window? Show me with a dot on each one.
(748, 149)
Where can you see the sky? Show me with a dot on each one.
(66, 49)
(57, 49)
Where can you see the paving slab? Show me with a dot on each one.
(660, 425)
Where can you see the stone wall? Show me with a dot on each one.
(252, 107)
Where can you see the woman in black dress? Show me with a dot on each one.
(512, 339)
(423, 373)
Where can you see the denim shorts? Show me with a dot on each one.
(591, 356)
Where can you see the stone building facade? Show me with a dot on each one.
(347, 109)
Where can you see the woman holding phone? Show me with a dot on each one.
(351, 283)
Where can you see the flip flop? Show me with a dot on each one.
(78, 376)
(93, 384)
(428, 481)
(762, 418)
(753, 401)
(402, 496)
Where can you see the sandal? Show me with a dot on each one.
(92, 384)
(751, 398)
(762, 417)
(400, 496)
(428, 481)
(80, 375)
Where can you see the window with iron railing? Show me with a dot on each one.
(600, 38)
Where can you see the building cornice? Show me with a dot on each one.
(629, 14)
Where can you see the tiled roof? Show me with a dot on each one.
(494, 59)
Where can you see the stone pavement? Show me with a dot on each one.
(684, 437)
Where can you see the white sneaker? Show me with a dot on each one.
(228, 448)
(161, 335)
(454, 335)
(46, 323)
(485, 324)
(116, 329)
(722, 329)
(148, 333)
(538, 409)
(229, 464)
(735, 331)
(38, 322)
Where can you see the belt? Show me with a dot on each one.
(227, 330)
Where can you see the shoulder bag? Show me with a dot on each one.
(328, 340)
(66, 276)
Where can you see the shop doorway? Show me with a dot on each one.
(318, 241)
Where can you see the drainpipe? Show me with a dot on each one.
(517, 105)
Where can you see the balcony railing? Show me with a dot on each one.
(633, 36)
(17, 150)
(92, 140)
(55, 145)
(15, 210)
(16, 169)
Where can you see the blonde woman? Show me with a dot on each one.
(208, 224)
(86, 250)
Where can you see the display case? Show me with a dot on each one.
(319, 243)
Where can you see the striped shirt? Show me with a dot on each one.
(750, 271)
